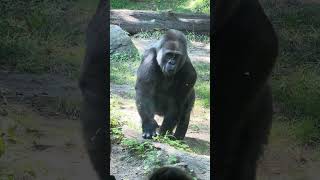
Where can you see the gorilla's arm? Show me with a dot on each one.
(147, 77)
(187, 78)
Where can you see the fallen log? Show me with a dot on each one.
(135, 21)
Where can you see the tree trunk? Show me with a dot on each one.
(134, 21)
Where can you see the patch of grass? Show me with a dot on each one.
(298, 31)
(145, 151)
(281, 130)
(168, 139)
(2, 145)
(4, 175)
(11, 133)
(203, 94)
(149, 34)
(114, 112)
(307, 131)
(123, 68)
(30, 172)
(137, 147)
(152, 157)
(296, 81)
(298, 92)
(299, 97)
(191, 36)
(43, 36)
(115, 121)
(202, 86)
(185, 6)
(199, 6)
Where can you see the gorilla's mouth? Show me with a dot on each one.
(169, 70)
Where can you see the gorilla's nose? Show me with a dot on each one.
(172, 62)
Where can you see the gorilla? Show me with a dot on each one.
(93, 84)
(164, 86)
(245, 50)
(169, 173)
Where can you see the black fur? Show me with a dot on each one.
(164, 86)
(169, 173)
(93, 84)
(245, 49)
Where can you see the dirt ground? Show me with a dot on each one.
(33, 129)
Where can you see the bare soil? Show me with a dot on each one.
(41, 142)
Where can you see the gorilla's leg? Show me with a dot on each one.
(183, 123)
(182, 126)
(171, 117)
(145, 106)
(169, 122)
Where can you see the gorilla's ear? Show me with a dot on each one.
(224, 10)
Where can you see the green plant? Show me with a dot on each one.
(169, 139)
(139, 148)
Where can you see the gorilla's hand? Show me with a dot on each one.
(149, 129)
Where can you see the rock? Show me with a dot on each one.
(120, 42)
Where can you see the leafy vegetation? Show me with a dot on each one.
(38, 36)
(168, 139)
(123, 67)
(186, 6)
(296, 79)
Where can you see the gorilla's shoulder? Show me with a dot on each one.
(149, 69)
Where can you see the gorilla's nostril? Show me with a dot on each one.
(172, 62)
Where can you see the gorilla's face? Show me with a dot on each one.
(171, 58)
(172, 61)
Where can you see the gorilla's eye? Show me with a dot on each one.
(172, 56)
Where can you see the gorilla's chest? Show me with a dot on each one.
(165, 95)
(166, 87)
